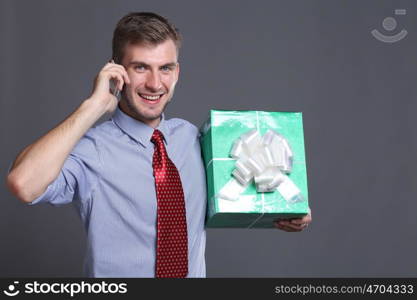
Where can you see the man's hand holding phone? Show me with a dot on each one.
(107, 86)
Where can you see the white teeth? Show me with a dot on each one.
(150, 97)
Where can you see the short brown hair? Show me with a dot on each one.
(142, 28)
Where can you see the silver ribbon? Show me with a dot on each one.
(266, 161)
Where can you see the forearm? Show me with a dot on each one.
(40, 163)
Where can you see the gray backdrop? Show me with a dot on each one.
(358, 96)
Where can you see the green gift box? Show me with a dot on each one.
(251, 209)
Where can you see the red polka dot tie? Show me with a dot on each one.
(171, 248)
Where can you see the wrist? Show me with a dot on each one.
(94, 107)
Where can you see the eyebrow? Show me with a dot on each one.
(140, 63)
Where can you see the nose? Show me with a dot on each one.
(153, 82)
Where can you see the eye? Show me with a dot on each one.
(166, 69)
(139, 68)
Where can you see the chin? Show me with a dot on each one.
(148, 116)
(142, 112)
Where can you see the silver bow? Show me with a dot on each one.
(266, 160)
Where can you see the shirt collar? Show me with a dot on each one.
(138, 130)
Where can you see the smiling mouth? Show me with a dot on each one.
(151, 98)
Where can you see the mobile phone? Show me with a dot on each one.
(113, 88)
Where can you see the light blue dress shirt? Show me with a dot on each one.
(109, 179)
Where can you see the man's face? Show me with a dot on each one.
(153, 71)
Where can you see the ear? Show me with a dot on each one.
(177, 71)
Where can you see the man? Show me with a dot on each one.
(137, 180)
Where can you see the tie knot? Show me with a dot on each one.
(157, 137)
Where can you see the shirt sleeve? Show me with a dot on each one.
(78, 176)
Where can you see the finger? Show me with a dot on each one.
(304, 220)
(298, 221)
(118, 68)
(297, 227)
(290, 224)
(114, 75)
(279, 226)
(283, 222)
(122, 68)
(111, 64)
(107, 66)
(286, 228)
(307, 217)
(125, 75)
(120, 82)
